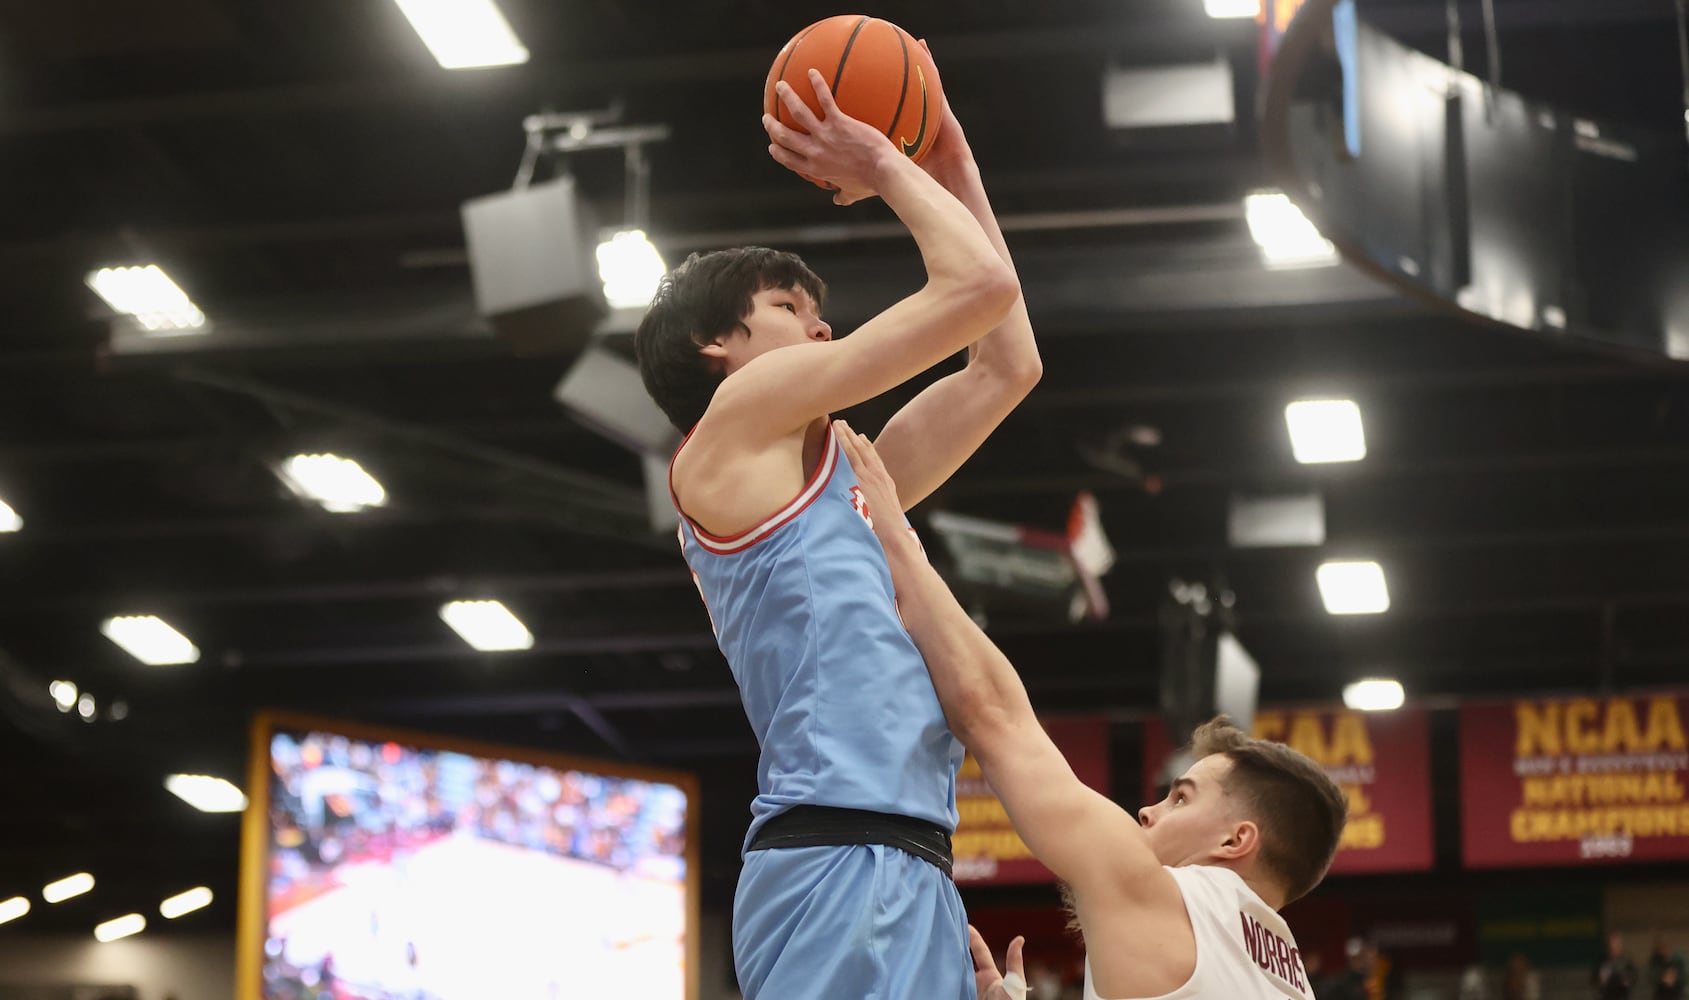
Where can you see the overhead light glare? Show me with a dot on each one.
(1232, 8)
(150, 639)
(1325, 430)
(187, 902)
(1373, 694)
(206, 793)
(487, 625)
(1286, 237)
(64, 694)
(65, 888)
(631, 268)
(1353, 588)
(147, 294)
(122, 927)
(12, 909)
(9, 519)
(464, 34)
(338, 484)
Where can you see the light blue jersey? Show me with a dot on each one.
(846, 716)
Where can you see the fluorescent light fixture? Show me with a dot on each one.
(487, 625)
(631, 268)
(1232, 8)
(122, 927)
(206, 793)
(64, 694)
(12, 909)
(147, 294)
(187, 902)
(9, 519)
(1353, 588)
(464, 34)
(1325, 430)
(1166, 96)
(1273, 521)
(1286, 237)
(338, 484)
(150, 639)
(65, 888)
(1373, 695)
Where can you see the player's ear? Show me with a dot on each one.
(1243, 840)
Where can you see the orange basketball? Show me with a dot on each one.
(878, 72)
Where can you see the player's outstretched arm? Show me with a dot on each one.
(929, 438)
(969, 289)
(1064, 822)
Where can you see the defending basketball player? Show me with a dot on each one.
(1183, 901)
(845, 890)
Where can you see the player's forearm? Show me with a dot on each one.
(1009, 349)
(959, 258)
(976, 684)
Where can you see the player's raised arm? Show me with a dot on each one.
(930, 437)
(969, 288)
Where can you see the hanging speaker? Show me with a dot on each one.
(533, 261)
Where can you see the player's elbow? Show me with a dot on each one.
(994, 290)
(1023, 375)
(977, 294)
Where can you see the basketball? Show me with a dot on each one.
(878, 72)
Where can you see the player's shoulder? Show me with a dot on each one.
(728, 483)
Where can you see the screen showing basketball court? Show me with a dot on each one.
(385, 865)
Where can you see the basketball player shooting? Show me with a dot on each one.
(1184, 900)
(845, 889)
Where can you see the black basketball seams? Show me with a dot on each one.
(846, 54)
(780, 105)
(902, 91)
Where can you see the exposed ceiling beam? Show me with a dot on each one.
(536, 83)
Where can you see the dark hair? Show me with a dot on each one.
(702, 299)
(1299, 809)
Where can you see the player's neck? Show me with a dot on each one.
(1269, 892)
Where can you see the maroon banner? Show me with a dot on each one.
(1382, 762)
(1574, 781)
(986, 847)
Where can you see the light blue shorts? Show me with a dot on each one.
(863, 922)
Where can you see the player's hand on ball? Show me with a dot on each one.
(950, 153)
(989, 984)
(834, 148)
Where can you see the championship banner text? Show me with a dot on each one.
(1570, 781)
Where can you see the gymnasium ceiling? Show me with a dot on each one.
(301, 164)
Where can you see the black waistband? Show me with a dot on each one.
(826, 826)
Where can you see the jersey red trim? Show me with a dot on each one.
(730, 544)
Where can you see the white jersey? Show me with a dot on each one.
(1244, 950)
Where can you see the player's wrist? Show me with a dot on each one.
(957, 170)
(886, 165)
